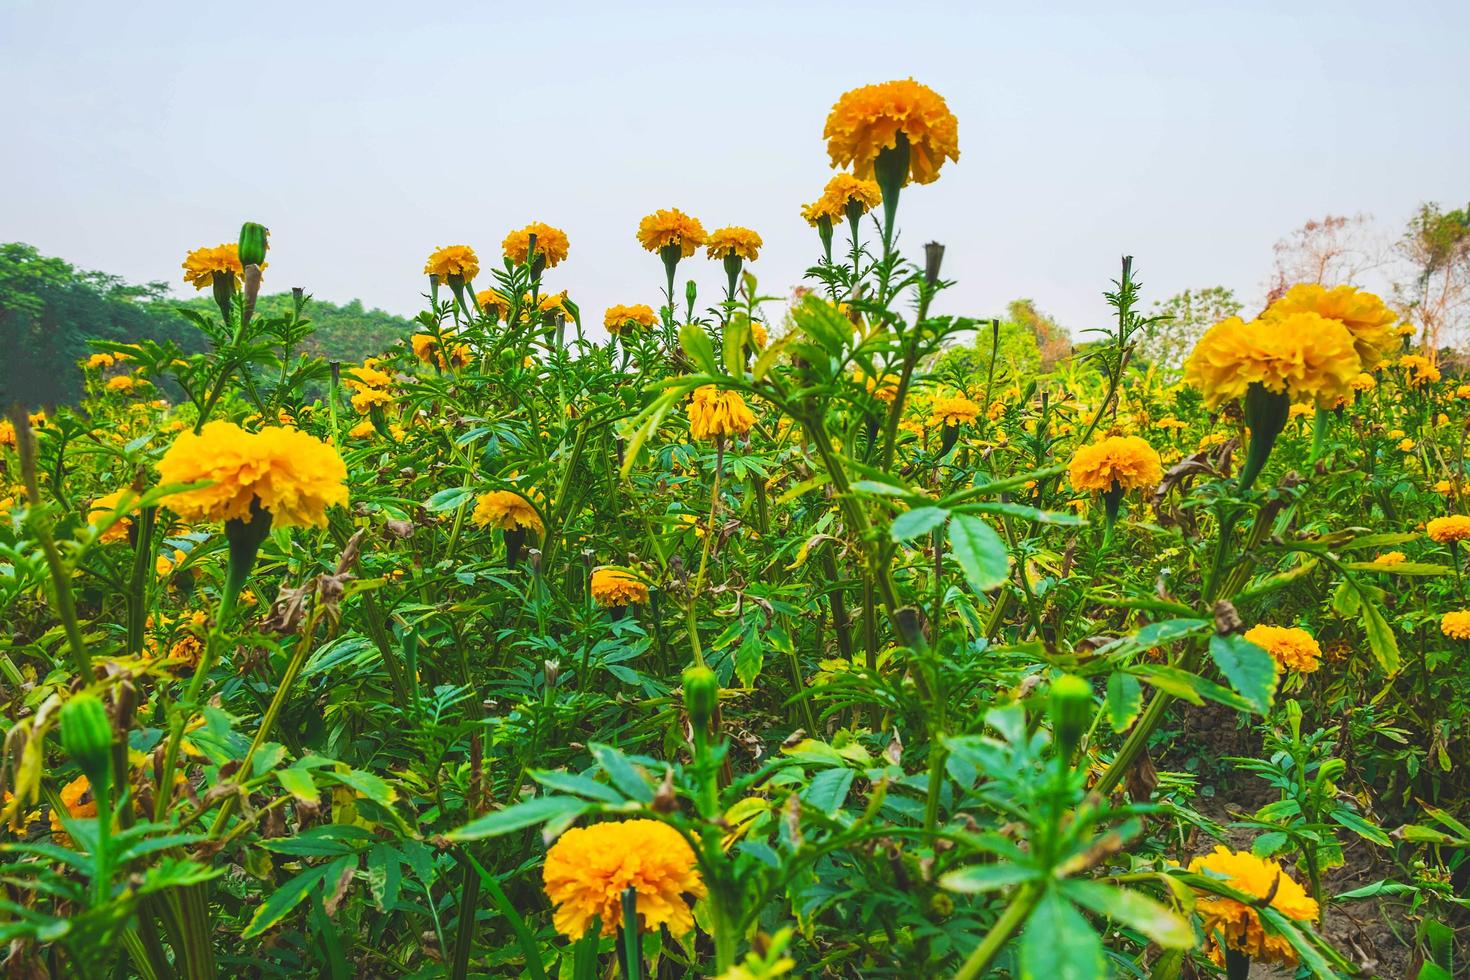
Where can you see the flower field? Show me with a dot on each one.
(739, 639)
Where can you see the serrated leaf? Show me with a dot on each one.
(1133, 909)
(912, 523)
(696, 344)
(980, 552)
(624, 775)
(1250, 670)
(974, 879)
(1381, 640)
(449, 499)
(1060, 944)
(518, 817)
(1125, 700)
(828, 790)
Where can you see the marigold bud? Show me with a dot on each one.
(86, 734)
(253, 243)
(701, 692)
(1071, 708)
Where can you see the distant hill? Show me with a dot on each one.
(49, 309)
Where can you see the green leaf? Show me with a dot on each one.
(520, 816)
(566, 782)
(749, 657)
(384, 875)
(696, 344)
(1402, 568)
(976, 878)
(1060, 517)
(371, 786)
(1125, 700)
(289, 895)
(1359, 826)
(298, 783)
(980, 552)
(912, 523)
(1133, 909)
(1381, 641)
(622, 772)
(828, 789)
(449, 499)
(1250, 670)
(1060, 944)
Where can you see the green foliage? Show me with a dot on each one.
(1181, 320)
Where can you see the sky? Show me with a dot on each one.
(1190, 135)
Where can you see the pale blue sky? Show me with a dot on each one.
(365, 134)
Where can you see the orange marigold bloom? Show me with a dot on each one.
(451, 261)
(670, 226)
(1365, 316)
(426, 348)
(551, 244)
(1304, 355)
(1445, 530)
(101, 360)
(844, 189)
(1456, 625)
(121, 383)
(77, 797)
(734, 240)
(759, 336)
(201, 264)
(367, 376)
(1291, 646)
(1128, 462)
(869, 119)
(103, 508)
(619, 318)
(1239, 925)
(285, 471)
(1390, 558)
(506, 510)
(364, 400)
(493, 304)
(588, 869)
(953, 410)
(1421, 369)
(611, 587)
(714, 413)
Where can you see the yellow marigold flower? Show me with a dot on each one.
(1421, 369)
(367, 377)
(1239, 924)
(1364, 315)
(120, 383)
(493, 304)
(611, 587)
(284, 471)
(1291, 646)
(1124, 462)
(733, 240)
(166, 565)
(619, 318)
(1299, 411)
(714, 413)
(551, 244)
(361, 430)
(1406, 445)
(451, 261)
(1390, 558)
(77, 797)
(1364, 382)
(817, 210)
(101, 360)
(1446, 530)
(588, 869)
(1304, 355)
(1443, 486)
(187, 649)
(201, 264)
(1456, 625)
(426, 348)
(1463, 391)
(953, 410)
(844, 189)
(670, 226)
(366, 398)
(758, 335)
(103, 508)
(885, 389)
(869, 119)
(1170, 422)
(506, 510)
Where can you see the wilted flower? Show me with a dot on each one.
(1291, 646)
(293, 476)
(588, 869)
(714, 413)
(870, 119)
(612, 587)
(1240, 925)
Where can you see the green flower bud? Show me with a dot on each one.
(253, 243)
(1071, 709)
(701, 692)
(86, 734)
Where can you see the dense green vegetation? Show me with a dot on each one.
(50, 309)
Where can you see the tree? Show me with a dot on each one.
(1331, 251)
(1168, 342)
(1436, 244)
(1052, 339)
